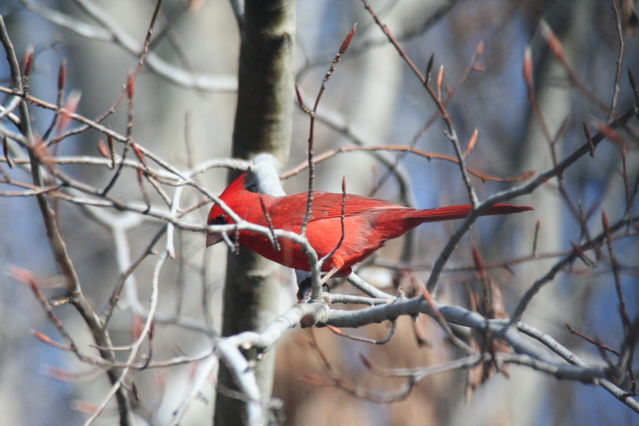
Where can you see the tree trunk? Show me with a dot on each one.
(263, 123)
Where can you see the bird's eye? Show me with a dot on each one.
(220, 220)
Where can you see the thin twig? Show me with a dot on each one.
(484, 177)
(617, 81)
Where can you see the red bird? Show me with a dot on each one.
(368, 224)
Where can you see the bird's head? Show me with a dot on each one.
(234, 196)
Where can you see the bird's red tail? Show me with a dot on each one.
(461, 211)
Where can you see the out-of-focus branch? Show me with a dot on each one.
(518, 191)
(622, 45)
(110, 31)
(144, 335)
(451, 132)
(58, 246)
(417, 30)
(316, 289)
(484, 177)
(338, 123)
(541, 282)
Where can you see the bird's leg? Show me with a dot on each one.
(227, 240)
(304, 289)
(304, 284)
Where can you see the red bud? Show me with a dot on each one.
(5, 148)
(62, 75)
(472, 142)
(477, 67)
(440, 80)
(347, 40)
(41, 151)
(43, 338)
(528, 68)
(137, 326)
(366, 361)
(138, 152)
(480, 48)
(611, 134)
(103, 150)
(25, 276)
(130, 86)
(553, 42)
(84, 407)
(160, 380)
(477, 259)
(28, 61)
(604, 222)
(195, 5)
(304, 341)
(60, 374)
(69, 108)
(316, 379)
(334, 329)
(299, 97)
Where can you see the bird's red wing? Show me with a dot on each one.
(290, 210)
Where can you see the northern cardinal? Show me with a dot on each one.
(368, 224)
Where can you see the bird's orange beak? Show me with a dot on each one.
(213, 238)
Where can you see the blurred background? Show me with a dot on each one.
(372, 99)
